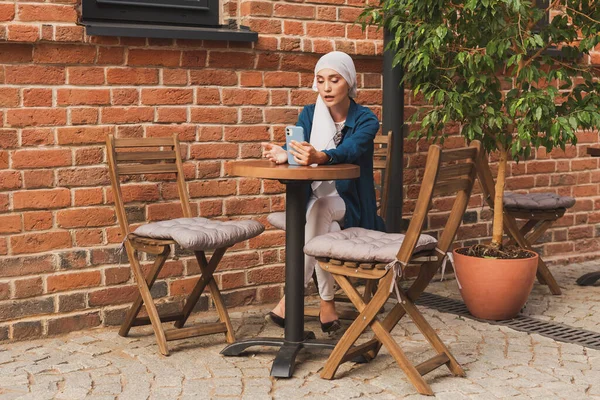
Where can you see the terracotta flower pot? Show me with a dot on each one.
(495, 289)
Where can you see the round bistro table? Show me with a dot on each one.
(297, 180)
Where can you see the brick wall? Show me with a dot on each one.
(62, 92)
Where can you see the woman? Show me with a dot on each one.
(336, 130)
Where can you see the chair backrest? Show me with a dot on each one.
(447, 173)
(382, 159)
(144, 156)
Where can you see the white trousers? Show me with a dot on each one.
(323, 215)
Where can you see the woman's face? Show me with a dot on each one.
(332, 87)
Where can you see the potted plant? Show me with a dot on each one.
(512, 77)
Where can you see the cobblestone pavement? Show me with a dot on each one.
(499, 362)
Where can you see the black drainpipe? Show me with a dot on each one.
(393, 120)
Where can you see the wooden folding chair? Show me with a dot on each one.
(150, 156)
(361, 253)
(537, 221)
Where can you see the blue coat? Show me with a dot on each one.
(356, 147)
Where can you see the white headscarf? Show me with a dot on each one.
(323, 127)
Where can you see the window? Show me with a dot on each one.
(179, 19)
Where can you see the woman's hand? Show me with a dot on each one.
(305, 154)
(274, 153)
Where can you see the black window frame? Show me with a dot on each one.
(176, 19)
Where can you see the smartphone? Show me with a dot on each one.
(293, 133)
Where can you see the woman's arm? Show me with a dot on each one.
(352, 147)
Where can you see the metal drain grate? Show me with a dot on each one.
(552, 330)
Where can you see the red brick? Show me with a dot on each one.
(41, 158)
(28, 117)
(37, 97)
(164, 58)
(4, 287)
(10, 223)
(88, 237)
(73, 323)
(282, 79)
(25, 308)
(114, 276)
(269, 61)
(7, 12)
(85, 75)
(171, 114)
(41, 178)
(83, 116)
(232, 280)
(41, 199)
(74, 280)
(47, 12)
(95, 176)
(231, 60)
(15, 53)
(37, 137)
(83, 135)
(34, 74)
(212, 188)
(9, 97)
(77, 97)
(193, 59)
(247, 133)
(174, 77)
(214, 115)
(257, 8)
(214, 151)
(294, 11)
(281, 115)
(182, 286)
(39, 242)
(3, 159)
(37, 220)
(85, 217)
(251, 79)
(163, 211)
(113, 295)
(245, 97)
(215, 77)
(264, 275)
(110, 56)
(208, 96)
(64, 54)
(68, 33)
(28, 287)
(167, 96)
(10, 180)
(127, 115)
(89, 155)
(131, 76)
(125, 96)
(23, 33)
(264, 25)
(240, 206)
(22, 266)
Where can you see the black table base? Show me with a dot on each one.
(588, 279)
(295, 338)
(284, 363)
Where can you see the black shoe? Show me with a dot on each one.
(332, 326)
(275, 319)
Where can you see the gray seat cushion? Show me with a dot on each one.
(363, 245)
(201, 233)
(277, 219)
(537, 201)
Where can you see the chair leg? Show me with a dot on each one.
(430, 334)
(207, 270)
(367, 314)
(137, 303)
(214, 291)
(368, 317)
(146, 297)
(547, 277)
